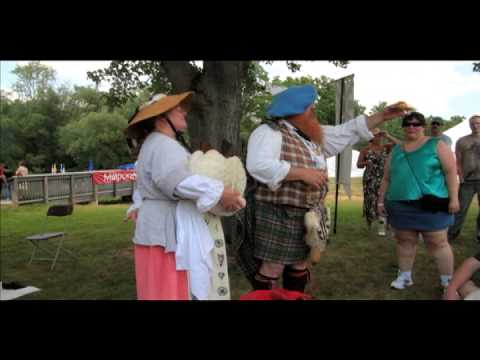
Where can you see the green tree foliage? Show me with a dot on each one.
(255, 99)
(96, 136)
(30, 125)
(127, 78)
(33, 79)
(394, 126)
(229, 95)
(72, 125)
(326, 89)
(454, 120)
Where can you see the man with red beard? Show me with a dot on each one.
(287, 157)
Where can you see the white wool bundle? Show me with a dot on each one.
(211, 164)
(235, 175)
(229, 171)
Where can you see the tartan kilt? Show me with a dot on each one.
(279, 233)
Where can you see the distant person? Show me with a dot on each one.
(437, 130)
(422, 165)
(466, 279)
(3, 178)
(22, 169)
(467, 151)
(372, 158)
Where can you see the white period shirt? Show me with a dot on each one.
(265, 145)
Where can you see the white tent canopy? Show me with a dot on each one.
(458, 131)
(356, 172)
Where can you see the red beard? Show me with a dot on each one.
(312, 128)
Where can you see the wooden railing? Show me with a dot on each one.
(73, 187)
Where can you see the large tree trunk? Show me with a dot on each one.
(214, 119)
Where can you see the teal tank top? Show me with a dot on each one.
(428, 172)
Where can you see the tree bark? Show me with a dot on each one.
(214, 119)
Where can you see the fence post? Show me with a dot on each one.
(95, 192)
(14, 191)
(114, 189)
(45, 189)
(72, 190)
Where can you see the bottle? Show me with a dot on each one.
(382, 227)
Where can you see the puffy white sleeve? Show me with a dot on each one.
(137, 201)
(337, 138)
(263, 157)
(205, 191)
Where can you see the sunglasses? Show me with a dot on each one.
(415, 124)
(436, 124)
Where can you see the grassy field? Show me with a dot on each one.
(357, 264)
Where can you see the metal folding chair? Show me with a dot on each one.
(40, 241)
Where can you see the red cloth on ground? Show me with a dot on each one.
(275, 294)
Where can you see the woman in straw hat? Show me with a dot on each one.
(163, 180)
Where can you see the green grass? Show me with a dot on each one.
(357, 264)
(99, 237)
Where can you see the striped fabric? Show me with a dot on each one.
(293, 193)
(273, 229)
(279, 233)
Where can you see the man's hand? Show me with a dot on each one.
(314, 177)
(391, 112)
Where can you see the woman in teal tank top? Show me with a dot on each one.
(422, 165)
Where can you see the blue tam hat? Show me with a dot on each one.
(292, 101)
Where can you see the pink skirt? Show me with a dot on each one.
(156, 275)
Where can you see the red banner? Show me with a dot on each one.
(113, 176)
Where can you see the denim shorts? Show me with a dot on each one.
(408, 215)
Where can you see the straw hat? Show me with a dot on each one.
(157, 105)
